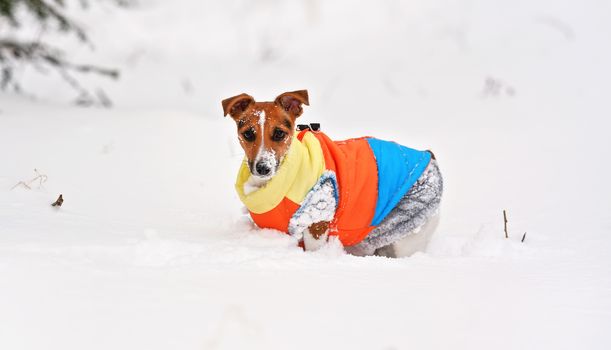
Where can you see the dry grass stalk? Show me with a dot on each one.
(41, 178)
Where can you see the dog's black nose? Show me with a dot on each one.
(263, 169)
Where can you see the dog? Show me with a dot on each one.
(377, 197)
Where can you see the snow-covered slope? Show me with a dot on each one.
(151, 248)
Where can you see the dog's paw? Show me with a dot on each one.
(318, 229)
(316, 235)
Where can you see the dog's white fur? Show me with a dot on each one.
(415, 242)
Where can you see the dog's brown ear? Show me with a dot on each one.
(292, 101)
(234, 106)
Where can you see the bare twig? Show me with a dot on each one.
(505, 219)
(523, 237)
(21, 183)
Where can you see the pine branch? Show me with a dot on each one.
(43, 56)
(44, 11)
(33, 51)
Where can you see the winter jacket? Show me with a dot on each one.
(369, 177)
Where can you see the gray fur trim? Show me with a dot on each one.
(411, 213)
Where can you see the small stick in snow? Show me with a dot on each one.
(59, 201)
(22, 184)
(523, 237)
(505, 218)
(42, 178)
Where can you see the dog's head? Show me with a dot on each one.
(265, 129)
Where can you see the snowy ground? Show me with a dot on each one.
(151, 248)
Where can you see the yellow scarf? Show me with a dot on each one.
(299, 171)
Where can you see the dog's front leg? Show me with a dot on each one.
(310, 224)
(316, 235)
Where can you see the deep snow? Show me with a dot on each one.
(151, 248)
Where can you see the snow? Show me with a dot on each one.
(152, 250)
(262, 122)
(254, 183)
(266, 157)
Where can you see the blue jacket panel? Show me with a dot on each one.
(399, 168)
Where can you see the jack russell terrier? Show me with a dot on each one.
(377, 197)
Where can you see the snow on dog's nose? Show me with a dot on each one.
(265, 164)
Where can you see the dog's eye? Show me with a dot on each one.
(249, 135)
(278, 135)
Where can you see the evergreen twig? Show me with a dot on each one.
(43, 56)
